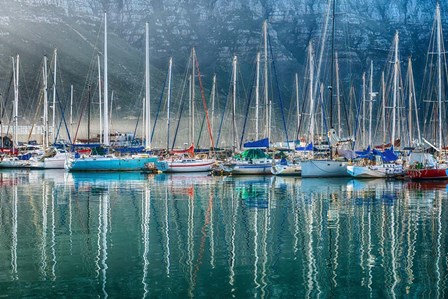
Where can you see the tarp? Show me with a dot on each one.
(364, 152)
(309, 147)
(262, 143)
(388, 155)
(252, 154)
(347, 154)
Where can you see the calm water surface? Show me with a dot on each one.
(134, 235)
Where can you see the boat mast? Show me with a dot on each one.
(193, 64)
(297, 103)
(338, 95)
(394, 105)
(45, 116)
(257, 96)
(53, 131)
(168, 105)
(332, 67)
(266, 96)
(412, 90)
(234, 102)
(106, 94)
(363, 131)
(16, 98)
(189, 110)
(370, 102)
(147, 92)
(213, 101)
(99, 98)
(410, 97)
(383, 111)
(439, 74)
(71, 108)
(311, 94)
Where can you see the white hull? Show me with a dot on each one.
(324, 169)
(183, 166)
(287, 170)
(14, 163)
(380, 171)
(56, 162)
(246, 168)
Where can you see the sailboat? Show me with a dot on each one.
(52, 157)
(377, 164)
(185, 160)
(15, 161)
(423, 165)
(253, 160)
(111, 162)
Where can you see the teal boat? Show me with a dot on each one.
(110, 163)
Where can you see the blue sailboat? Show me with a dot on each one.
(106, 162)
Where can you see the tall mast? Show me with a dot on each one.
(193, 76)
(311, 94)
(363, 139)
(168, 105)
(71, 108)
(266, 96)
(147, 93)
(45, 116)
(383, 111)
(213, 101)
(332, 66)
(297, 103)
(53, 131)
(190, 108)
(370, 102)
(439, 74)
(410, 97)
(99, 98)
(88, 114)
(257, 97)
(338, 95)
(106, 94)
(234, 102)
(394, 105)
(16, 99)
(414, 97)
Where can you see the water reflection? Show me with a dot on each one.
(133, 235)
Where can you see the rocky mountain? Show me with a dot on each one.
(218, 29)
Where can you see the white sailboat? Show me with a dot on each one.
(326, 167)
(15, 161)
(181, 163)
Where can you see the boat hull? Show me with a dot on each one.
(183, 167)
(248, 169)
(374, 171)
(286, 170)
(56, 162)
(427, 174)
(324, 169)
(14, 163)
(109, 163)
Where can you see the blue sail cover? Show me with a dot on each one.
(262, 143)
(309, 147)
(388, 155)
(364, 152)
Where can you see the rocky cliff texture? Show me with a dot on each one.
(217, 28)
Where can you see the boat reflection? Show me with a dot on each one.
(181, 235)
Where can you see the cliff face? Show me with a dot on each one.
(218, 29)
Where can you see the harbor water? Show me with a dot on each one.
(191, 235)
